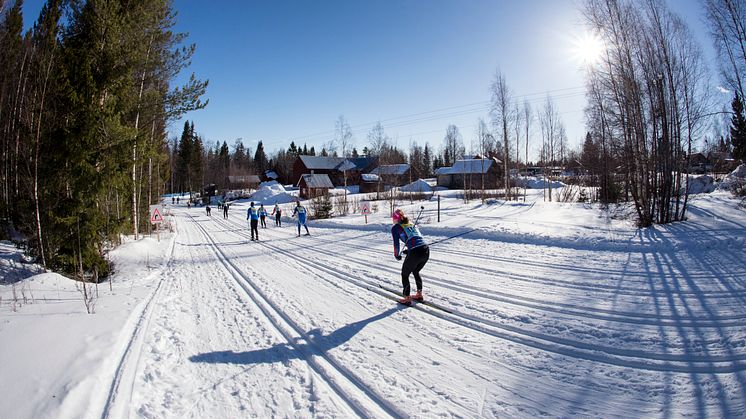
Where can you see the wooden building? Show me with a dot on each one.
(313, 185)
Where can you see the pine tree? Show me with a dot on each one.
(738, 129)
(260, 159)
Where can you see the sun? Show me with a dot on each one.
(587, 48)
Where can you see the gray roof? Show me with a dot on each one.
(391, 169)
(442, 170)
(317, 181)
(471, 166)
(335, 163)
(320, 162)
(244, 179)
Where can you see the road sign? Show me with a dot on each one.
(156, 214)
(365, 207)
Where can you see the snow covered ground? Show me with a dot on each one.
(557, 310)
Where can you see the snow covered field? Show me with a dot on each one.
(557, 310)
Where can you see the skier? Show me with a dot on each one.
(225, 211)
(277, 212)
(301, 211)
(207, 208)
(252, 214)
(417, 254)
(263, 215)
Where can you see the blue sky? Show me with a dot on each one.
(286, 70)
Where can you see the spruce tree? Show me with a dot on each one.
(738, 129)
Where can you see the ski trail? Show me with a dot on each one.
(120, 392)
(338, 377)
(606, 354)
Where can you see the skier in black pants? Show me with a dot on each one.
(252, 214)
(277, 212)
(225, 211)
(417, 254)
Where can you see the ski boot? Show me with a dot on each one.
(407, 301)
(418, 296)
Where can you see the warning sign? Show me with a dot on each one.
(365, 208)
(156, 214)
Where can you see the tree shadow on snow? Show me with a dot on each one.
(312, 343)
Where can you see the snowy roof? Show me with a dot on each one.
(471, 166)
(317, 181)
(442, 170)
(271, 174)
(391, 169)
(418, 185)
(369, 177)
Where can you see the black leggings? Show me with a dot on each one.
(413, 264)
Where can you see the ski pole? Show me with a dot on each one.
(422, 208)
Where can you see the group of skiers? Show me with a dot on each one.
(416, 251)
(254, 215)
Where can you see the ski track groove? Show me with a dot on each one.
(125, 366)
(609, 355)
(564, 308)
(267, 307)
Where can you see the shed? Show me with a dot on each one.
(243, 182)
(468, 173)
(313, 185)
(393, 174)
(368, 183)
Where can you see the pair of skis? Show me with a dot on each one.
(414, 302)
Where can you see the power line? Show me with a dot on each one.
(441, 113)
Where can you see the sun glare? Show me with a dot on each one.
(587, 48)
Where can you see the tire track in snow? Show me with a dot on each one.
(324, 365)
(628, 358)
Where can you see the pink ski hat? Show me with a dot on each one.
(397, 215)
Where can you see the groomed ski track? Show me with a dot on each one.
(306, 326)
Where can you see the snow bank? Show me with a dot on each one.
(538, 183)
(272, 192)
(735, 177)
(701, 184)
(418, 185)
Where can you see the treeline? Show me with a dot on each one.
(85, 97)
(650, 98)
(196, 164)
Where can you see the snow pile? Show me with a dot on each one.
(272, 192)
(701, 184)
(735, 177)
(418, 185)
(538, 183)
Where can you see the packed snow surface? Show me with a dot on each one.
(553, 309)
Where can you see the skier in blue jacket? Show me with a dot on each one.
(252, 214)
(417, 254)
(301, 211)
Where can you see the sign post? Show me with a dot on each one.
(156, 217)
(365, 209)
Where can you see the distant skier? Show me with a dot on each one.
(263, 215)
(225, 211)
(252, 214)
(417, 254)
(207, 208)
(277, 212)
(301, 211)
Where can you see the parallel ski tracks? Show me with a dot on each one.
(622, 357)
(122, 384)
(556, 307)
(325, 366)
